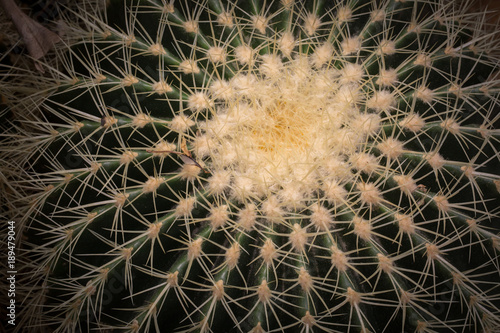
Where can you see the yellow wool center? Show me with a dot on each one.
(282, 127)
(280, 123)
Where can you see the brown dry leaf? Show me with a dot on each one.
(38, 39)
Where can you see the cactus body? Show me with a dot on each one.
(268, 166)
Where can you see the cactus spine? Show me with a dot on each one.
(268, 166)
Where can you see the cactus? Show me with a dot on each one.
(265, 166)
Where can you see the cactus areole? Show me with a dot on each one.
(268, 166)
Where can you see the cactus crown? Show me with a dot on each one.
(268, 166)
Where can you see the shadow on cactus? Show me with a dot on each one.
(269, 166)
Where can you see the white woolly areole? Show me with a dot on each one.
(221, 89)
(413, 122)
(322, 54)
(391, 147)
(243, 188)
(263, 292)
(169, 8)
(247, 217)
(377, 15)
(387, 47)
(442, 203)
(387, 77)
(367, 123)
(129, 80)
(321, 217)
(202, 146)
(268, 252)
(219, 181)
(94, 167)
(259, 22)
(435, 160)
(308, 320)
(129, 39)
(199, 101)
(423, 60)
(216, 54)
(271, 65)
(335, 193)
(218, 216)
(189, 66)
(339, 259)
(287, 43)
(364, 162)
(362, 228)
(344, 14)
(381, 101)
(232, 255)
(245, 85)
(311, 23)
(292, 195)
(369, 193)
(154, 230)
(194, 249)
(141, 120)
(162, 148)
(189, 171)
(385, 263)
(152, 184)
(405, 223)
(305, 280)
(451, 125)
(218, 289)
(190, 26)
(128, 157)
(244, 54)
(181, 123)
(185, 206)
(161, 87)
(424, 94)
(157, 49)
(272, 208)
(406, 183)
(225, 19)
(350, 45)
(120, 199)
(352, 73)
(298, 238)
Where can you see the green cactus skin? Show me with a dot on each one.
(266, 166)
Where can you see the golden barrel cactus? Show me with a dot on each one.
(265, 166)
